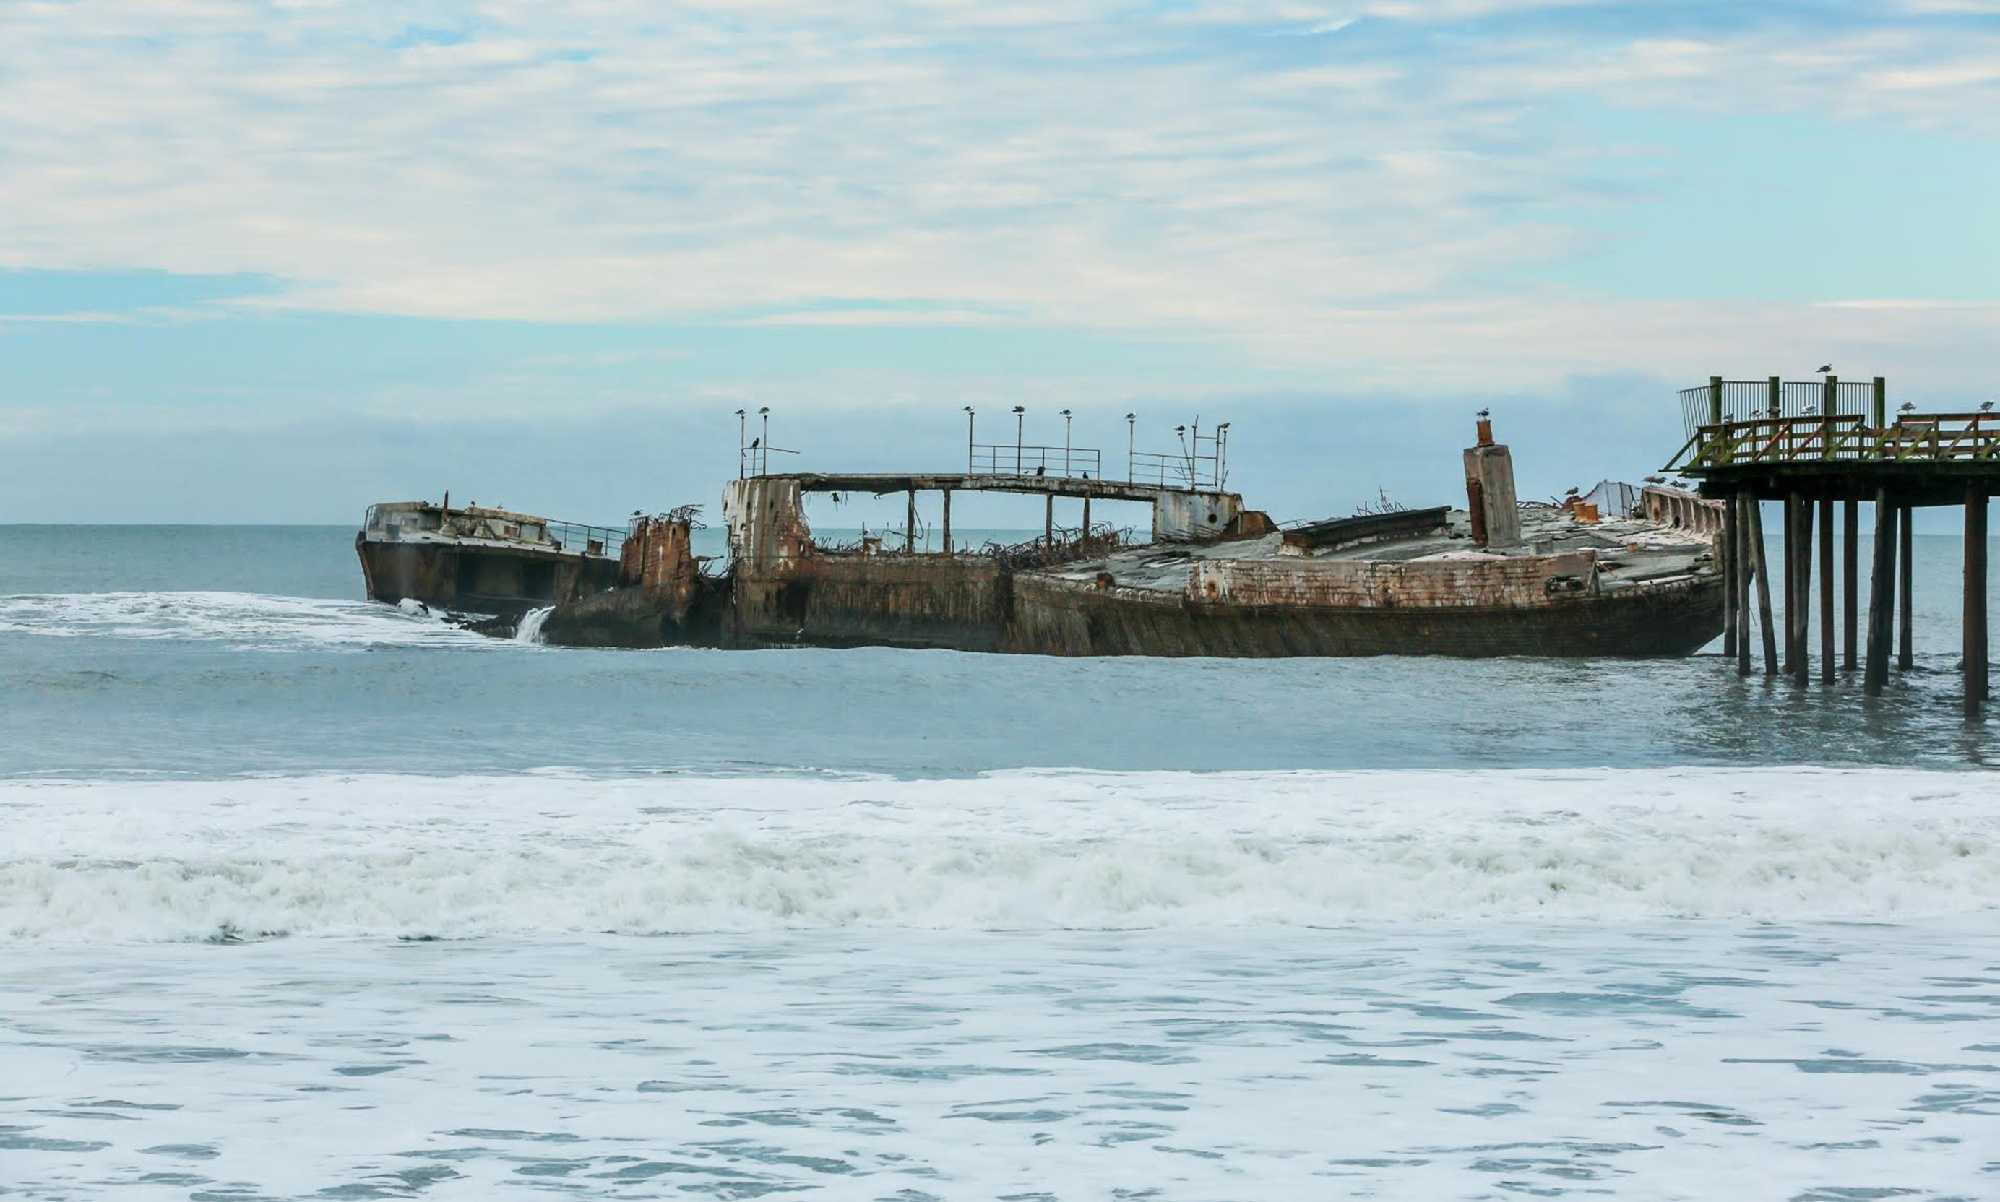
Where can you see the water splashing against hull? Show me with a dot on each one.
(530, 629)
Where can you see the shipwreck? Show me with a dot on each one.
(1211, 577)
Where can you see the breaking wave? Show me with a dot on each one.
(547, 853)
(250, 620)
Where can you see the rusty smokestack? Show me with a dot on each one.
(1489, 490)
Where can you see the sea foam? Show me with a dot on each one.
(549, 853)
(250, 620)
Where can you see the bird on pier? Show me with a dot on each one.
(1485, 413)
(1656, 479)
(1812, 411)
(1042, 470)
(755, 442)
(1986, 406)
(1571, 491)
(1907, 407)
(1825, 367)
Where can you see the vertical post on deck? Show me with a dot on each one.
(1802, 666)
(1732, 575)
(1049, 521)
(1905, 658)
(1791, 583)
(910, 526)
(1828, 665)
(1881, 594)
(1086, 517)
(1850, 585)
(1763, 572)
(947, 521)
(1879, 404)
(1974, 617)
(1739, 583)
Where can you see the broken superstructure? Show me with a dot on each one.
(478, 560)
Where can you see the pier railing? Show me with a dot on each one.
(1745, 422)
(1168, 470)
(1017, 459)
(1913, 437)
(591, 540)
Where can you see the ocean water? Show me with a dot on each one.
(302, 897)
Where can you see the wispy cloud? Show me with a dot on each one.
(1315, 200)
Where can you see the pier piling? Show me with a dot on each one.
(1739, 508)
(1802, 661)
(1763, 572)
(1881, 595)
(947, 522)
(1850, 584)
(1732, 570)
(1973, 620)
(1905, 655)
(1791, 583)
(1827, 663)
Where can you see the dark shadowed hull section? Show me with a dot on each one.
(478, 579)
(1057, 617)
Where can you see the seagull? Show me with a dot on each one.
(1042, 470)
(1825, 367)
(1571, 491)
(754, 442)
(1907, 407)
(1812, 411)
(1485, 413)
(1986, 406)
(1656, 479)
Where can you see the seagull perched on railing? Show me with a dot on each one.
(1656, 479)
(1825, 367)
(1907, 407)
(1986, 406)
(1485, 413)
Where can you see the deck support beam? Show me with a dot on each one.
(1850, 584)
(947, 521)
(1973, 620)
(1763, 572)
(910, 526)
(1049, 522)
(1828, 664)
(1905, 656)
(1086, 517)
(1881, 595)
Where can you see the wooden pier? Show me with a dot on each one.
(1812, 444)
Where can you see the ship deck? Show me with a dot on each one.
(1630, 551)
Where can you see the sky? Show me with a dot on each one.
(273, 260)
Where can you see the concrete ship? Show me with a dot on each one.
(1215, 579)
(481, 561)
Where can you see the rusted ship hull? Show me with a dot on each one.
(1057, 618)
(478, 580)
